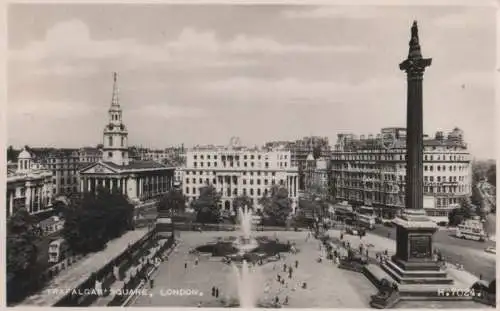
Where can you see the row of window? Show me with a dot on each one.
(257, 173)
(233, 192)
(400, 157)
(237, 157)
(237, 164)
(235, 182)
(395, 198)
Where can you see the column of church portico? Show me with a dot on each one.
(39, 190)
(124, 186)
(11, 202)
(27, 198)
(141, 184)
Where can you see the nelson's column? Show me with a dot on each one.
(413, 267)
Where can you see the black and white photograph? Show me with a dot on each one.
(251, 155)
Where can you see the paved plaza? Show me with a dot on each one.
(327, 285)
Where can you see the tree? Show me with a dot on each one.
(172, 202)
(12, 154)
(242, 201)
(21, 248)
(491, 174)
(98, 218)
(277, 206)
(207, 205)
(458, 215)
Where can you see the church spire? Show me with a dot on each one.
(114, 100)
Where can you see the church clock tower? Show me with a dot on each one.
(115, 145)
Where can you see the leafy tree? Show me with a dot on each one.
(172, 202)
(21, 248)
(207, 205)
(277, 206)
(458, 215)
(491, 174)
(98, 218)
(242, 201)
(12, 154)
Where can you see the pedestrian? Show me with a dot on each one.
(199, 304)
(216, 292)
(213, 291)
(196, 262)
(282, 281)
(341, 236)
(151, 283)
(284, 267)
(276, 300)
(367, 252)
(185, 265)
(480, 276)
(278, 278)
(296, 264)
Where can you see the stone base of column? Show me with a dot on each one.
(413, 268)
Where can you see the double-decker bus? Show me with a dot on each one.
(471, 230)
(366, 217)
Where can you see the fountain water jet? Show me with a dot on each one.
(245, 243)
(245, 282)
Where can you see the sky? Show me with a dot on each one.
(201, 74)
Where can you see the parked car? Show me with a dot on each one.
(388, 224)
(491, 250)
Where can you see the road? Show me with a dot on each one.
(469, 253)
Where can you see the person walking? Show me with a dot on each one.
(296, 264)
(216, 292)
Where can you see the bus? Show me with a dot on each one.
(58, 250)
(366, 217)
(471, 230)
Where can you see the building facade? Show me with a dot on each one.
(138, 180)
(29, 186)
(237, 171)
(317, 146)
(372, 170)
(317, 174)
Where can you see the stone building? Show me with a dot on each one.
(372, 170)
(29, 186)
(139, 180)
(238, 171)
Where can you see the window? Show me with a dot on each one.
(110, 141)
(194, 190)
(110, 154)
(187, 190)
(194, 180)
(123, 141)
(251, 191)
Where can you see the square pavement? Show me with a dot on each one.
(327, 285)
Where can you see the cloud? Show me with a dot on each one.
(340, 11)
(295, 91)
(481, 79)
(50, 109)
(71, 40)
(464, 20)
(169, 111)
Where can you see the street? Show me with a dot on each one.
(469, 253)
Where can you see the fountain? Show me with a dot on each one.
(245, 242)
(245, 282)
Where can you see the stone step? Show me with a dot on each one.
(414, 273)
(442, 280)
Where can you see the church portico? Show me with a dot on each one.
(138, 180)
